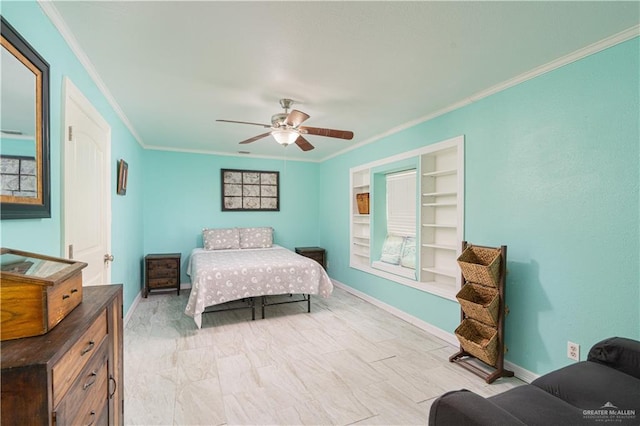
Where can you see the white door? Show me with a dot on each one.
(87, 187)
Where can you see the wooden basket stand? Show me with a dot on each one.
(482, 311)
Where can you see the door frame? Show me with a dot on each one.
(72, 94)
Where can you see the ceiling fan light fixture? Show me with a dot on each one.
(285, 137)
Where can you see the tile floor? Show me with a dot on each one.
(347, 362)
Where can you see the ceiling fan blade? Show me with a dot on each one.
(266, 126)
(331, 133)
(255, 138)
(304, 144)
(296, 118)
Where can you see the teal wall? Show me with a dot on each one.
(552, 171)
(45, 235)
(182, 196)
(21, 147)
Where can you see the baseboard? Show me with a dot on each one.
(450, 338)
(438, 332)
(521, 373)
(132, 308)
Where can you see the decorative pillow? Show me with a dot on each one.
(408, 256)
(221, 238)
(256, 237)
(391, 249)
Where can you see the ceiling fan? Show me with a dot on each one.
(286, 128)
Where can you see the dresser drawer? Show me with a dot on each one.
(87, 397)
(66, 370)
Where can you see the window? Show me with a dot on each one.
(401, 203)
(416, 194)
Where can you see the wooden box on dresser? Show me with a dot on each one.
(71, 375)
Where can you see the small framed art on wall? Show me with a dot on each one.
(123, 172)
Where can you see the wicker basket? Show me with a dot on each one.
(481, 265)
(363, 203)
(480, 303)
(479, 340)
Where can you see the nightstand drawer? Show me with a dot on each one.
(316, 256)
(162, 282)
(162, 272)
(162, 264)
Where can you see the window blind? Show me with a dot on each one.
(401, 203)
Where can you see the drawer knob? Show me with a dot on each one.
(88, 348)
(66, 296)
(91, 381)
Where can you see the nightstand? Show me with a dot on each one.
(161, 272)
(316, 253)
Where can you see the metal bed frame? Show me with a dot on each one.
(250, 304)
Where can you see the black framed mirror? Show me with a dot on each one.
(25, 190)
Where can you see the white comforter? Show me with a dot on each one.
(219, 276)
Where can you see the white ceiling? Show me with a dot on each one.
(174, 67)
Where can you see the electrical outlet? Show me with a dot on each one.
(573, 351)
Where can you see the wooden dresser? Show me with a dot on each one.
(71, 375)
(161, 272)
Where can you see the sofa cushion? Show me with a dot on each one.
(589, 385)
(465, 408)
(619, 353)
(533, 406)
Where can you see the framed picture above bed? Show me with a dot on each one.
(250, 190)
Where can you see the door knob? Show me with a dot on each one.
(108, 258)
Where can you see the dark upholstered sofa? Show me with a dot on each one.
(604, 390)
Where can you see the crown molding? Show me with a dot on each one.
(54, 16)
(577, 55)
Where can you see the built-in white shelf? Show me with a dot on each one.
(443, 272)
(442, 190)
(440, 196)
(439, 204)
(439, 173)
(440, 246)
(438, 225)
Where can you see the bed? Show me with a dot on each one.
(224, 275)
